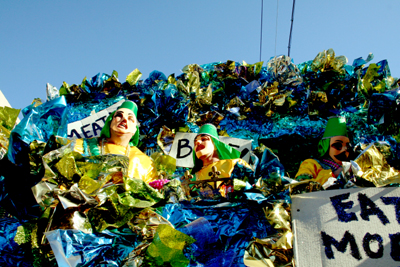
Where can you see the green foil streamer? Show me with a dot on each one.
(167, 247)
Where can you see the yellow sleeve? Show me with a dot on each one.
(78, 146)
(314, 171)
(141, 166)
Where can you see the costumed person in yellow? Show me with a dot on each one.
(120, 135)
(333, 148)
(209, 151)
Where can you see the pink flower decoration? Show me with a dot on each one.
(158, 184)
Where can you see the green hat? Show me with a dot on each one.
(224, 151)
(336, 126)
(105, 132)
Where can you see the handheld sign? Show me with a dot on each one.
(182, 148)
(349, 227)
(91, 126)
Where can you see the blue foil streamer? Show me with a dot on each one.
(234, 225)
(42, 122)
(75, 248)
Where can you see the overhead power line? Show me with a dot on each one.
(262, 9)
(291, 28)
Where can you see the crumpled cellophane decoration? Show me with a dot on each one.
(376, 79)
(327, 61)
(145, 224)
(375, 168)
(275, 250)
(274, 105)
(8, 118)
(167, 248)
(284, 71)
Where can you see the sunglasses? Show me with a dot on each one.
(339, 146)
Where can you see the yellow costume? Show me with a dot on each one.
(225, 166)
(314, 170)
(140, 165)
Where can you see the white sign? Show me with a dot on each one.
(182, 148)
(91, 126)
(349, 227)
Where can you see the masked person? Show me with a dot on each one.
(120, 135)
(333, 148)
(209, 151)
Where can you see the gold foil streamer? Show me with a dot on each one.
(146, 223)
(67, 166)
(136, 257)
(172, 80)
(210, 117)
(370, 83)
(165, 164)
(193, 80)
(254, 69)
(327, 61)
(278, 216)
(375, 168)
(133, 77)
(315, 99)
(237, 103)
(165, 138)
(284, 71)
(196, 105)
(270, 97)
(51, 158)
(101, 170)
(274, 250)
(271, 251)
(8, 117)
(226, 70)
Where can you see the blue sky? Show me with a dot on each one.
(54, 41)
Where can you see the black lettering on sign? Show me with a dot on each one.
(183, 143)
(244, 151)
(367, 245)
(86, 133)
(368, 207)
(72, 134)
(340, 208)
(102, 119)
(235, 146)
(395, 246)
(393, 201)
(96, 128)
(341, 246)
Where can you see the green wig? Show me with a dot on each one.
(105, 132)
(224, 151)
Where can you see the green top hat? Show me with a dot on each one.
(105, 132)
(336, 126)
(224, 151)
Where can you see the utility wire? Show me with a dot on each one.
(291, 28)
(276, 29)
(262, 9)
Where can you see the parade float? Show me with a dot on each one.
(62, 208)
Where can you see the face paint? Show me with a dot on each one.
(339, 149)
(203, 146)
(342, 156)
(123, 122)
